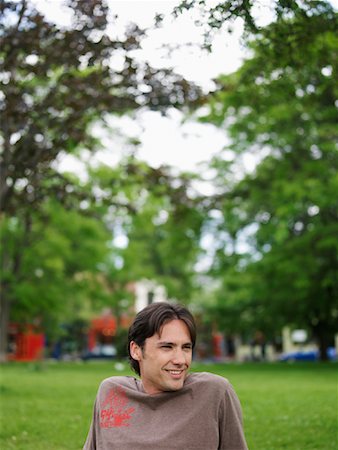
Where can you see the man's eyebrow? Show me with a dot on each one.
(172, 343)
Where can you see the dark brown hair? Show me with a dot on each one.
(151, 319)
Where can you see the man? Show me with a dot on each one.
(168, 408)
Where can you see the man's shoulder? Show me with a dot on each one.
(118, 382)
(208, 379)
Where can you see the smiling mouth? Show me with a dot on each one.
(175, 373)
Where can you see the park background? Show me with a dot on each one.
(98, 218)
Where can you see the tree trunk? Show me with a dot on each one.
(323, 345)
(4, 324)
(10, 264)
(323, 340)
(5, 304)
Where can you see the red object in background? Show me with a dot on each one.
(218, 345)
(103, 327)
(27, 343)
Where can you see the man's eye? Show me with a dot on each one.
(165, 346)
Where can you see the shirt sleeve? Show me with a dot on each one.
(230, 422)
(90, 443)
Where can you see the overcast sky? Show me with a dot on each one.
(165, 140)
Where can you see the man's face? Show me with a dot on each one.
(165, 358)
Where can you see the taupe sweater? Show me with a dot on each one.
(204, 415)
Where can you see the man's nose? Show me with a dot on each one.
(179, 357)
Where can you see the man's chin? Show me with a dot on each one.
(176, 385)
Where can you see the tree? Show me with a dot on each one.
(56, 83)
(164, 236)
(53, 258)
(280, 107)
(221, 15)
(62, 259)
(63, 249)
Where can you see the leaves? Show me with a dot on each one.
(280, 107)
(58, 81)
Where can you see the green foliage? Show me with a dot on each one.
(57, 264)
(68, 265)
(280, 108)
(120, 341)
(276, 228)
(164, 235)
(221, 15)
(57, 82)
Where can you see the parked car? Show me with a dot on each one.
(101, 352)
(307, 355)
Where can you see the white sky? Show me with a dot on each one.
(164, 140)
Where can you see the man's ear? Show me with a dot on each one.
(135, 351)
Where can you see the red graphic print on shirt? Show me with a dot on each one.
(115, 411)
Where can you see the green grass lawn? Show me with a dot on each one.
(290, 407)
